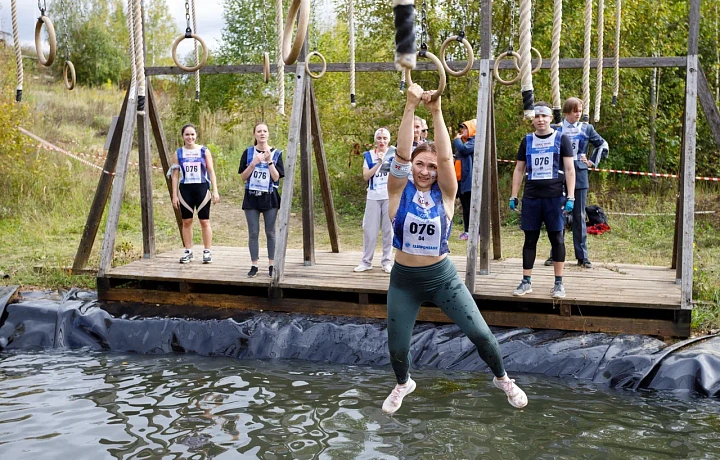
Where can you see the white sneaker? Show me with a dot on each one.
(515, 396)
(361, 268)
(387, 268)
(394, 401)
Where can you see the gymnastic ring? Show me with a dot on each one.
(496, 68)
(441, 72)
(471, 56)
(199, 64)
(537, 67)
(315, 76)
(69, 84)
(51, 40)
(290, 54)
(266, 67)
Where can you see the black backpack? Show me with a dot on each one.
(595, 215)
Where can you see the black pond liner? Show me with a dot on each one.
(76, 319)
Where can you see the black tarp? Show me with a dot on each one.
(76, 319)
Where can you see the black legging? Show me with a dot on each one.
(530, 247)
(465, 203)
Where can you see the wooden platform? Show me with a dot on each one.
(607, 298)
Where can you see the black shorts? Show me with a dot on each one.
(195, 196)
(535, 211)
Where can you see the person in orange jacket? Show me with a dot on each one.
(464, 146)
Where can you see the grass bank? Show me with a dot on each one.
(46, 197)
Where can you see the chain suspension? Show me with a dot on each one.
(66, 27)
(42, 7)
(313, 27)
(511, 42)
(188, 29)
(265, 29)
(423, 28)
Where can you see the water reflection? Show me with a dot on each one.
(82, 404)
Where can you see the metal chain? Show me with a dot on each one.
(42, 7)
(188, 30)
(313, 27)
(265, 29)
(66, 27)
(511, 44)
(423, 27)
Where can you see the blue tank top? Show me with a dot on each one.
(578, 137)
(421, 224)
(193, 165)
(260, 180)
(542, 156)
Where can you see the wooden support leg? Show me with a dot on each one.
(146, 189)
(289, 181)
(102, 192)
(485, 208)
(494, 184)
(323, 174)
(306, 182)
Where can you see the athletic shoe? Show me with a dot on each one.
(558, 291)
(253, 272)
(394, 401)
(361, 268)
(271, 269)
(186, 257)
(387, 268)
(207, 256)
(516, 397)
(525, 287)
(549, 262)
(585, 263)
(463, 236)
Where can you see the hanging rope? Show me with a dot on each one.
(405, 55)
(139, 58)
(18, 52)
(197, 53)
(280, 62)
(130, 21)
(598, 84)
(525, 58)
(586, 62)
(616, 86)
(351, 29)
(555, 61)
(266, 54)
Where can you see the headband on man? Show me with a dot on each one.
(381, 131)
(542, 110)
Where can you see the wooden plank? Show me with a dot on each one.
(568, 63)
(323, 172)
(102, 192)
(688, 193)
(324, 307)
(306, 182)
(146, 189)
(289, 181)
(707, 101)
(494, 183)
(162, 147)
(111, 224)
(6, 293)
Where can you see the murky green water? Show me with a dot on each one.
(87, 405)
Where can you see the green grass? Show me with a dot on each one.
(47, 196)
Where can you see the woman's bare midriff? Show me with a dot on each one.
(412, 260)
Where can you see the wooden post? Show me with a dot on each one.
(161, 144)
(485, 208)
(494, 183)
(688, 192)
(111, 225)
(102, 192)
(146, 189)
(707, 101)
(677, 235)
(289, 181)
(480, 145)
(323, 174)
(306, 182)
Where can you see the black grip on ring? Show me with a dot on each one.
(404, 29)
(141, 104)
(402, 85)
(197, 95)
(557, 116)
(585, 118)
(614, 100)
(352, 98)
(528, 100)
(18, 96)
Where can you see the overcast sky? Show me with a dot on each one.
(209, 18)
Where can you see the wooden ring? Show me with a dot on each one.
(315, 76)
(289, 54)
(470, 60)
(496, 68)
(69, 84)
(51, 40)
(441, 72)
(537, 67)
(199, 64)
(266, 67)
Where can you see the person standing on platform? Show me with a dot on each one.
(261, 168)
(581, 135)
(545, 160)
(464, 146)
(193, 178)
(376, 167)
(422, 212)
